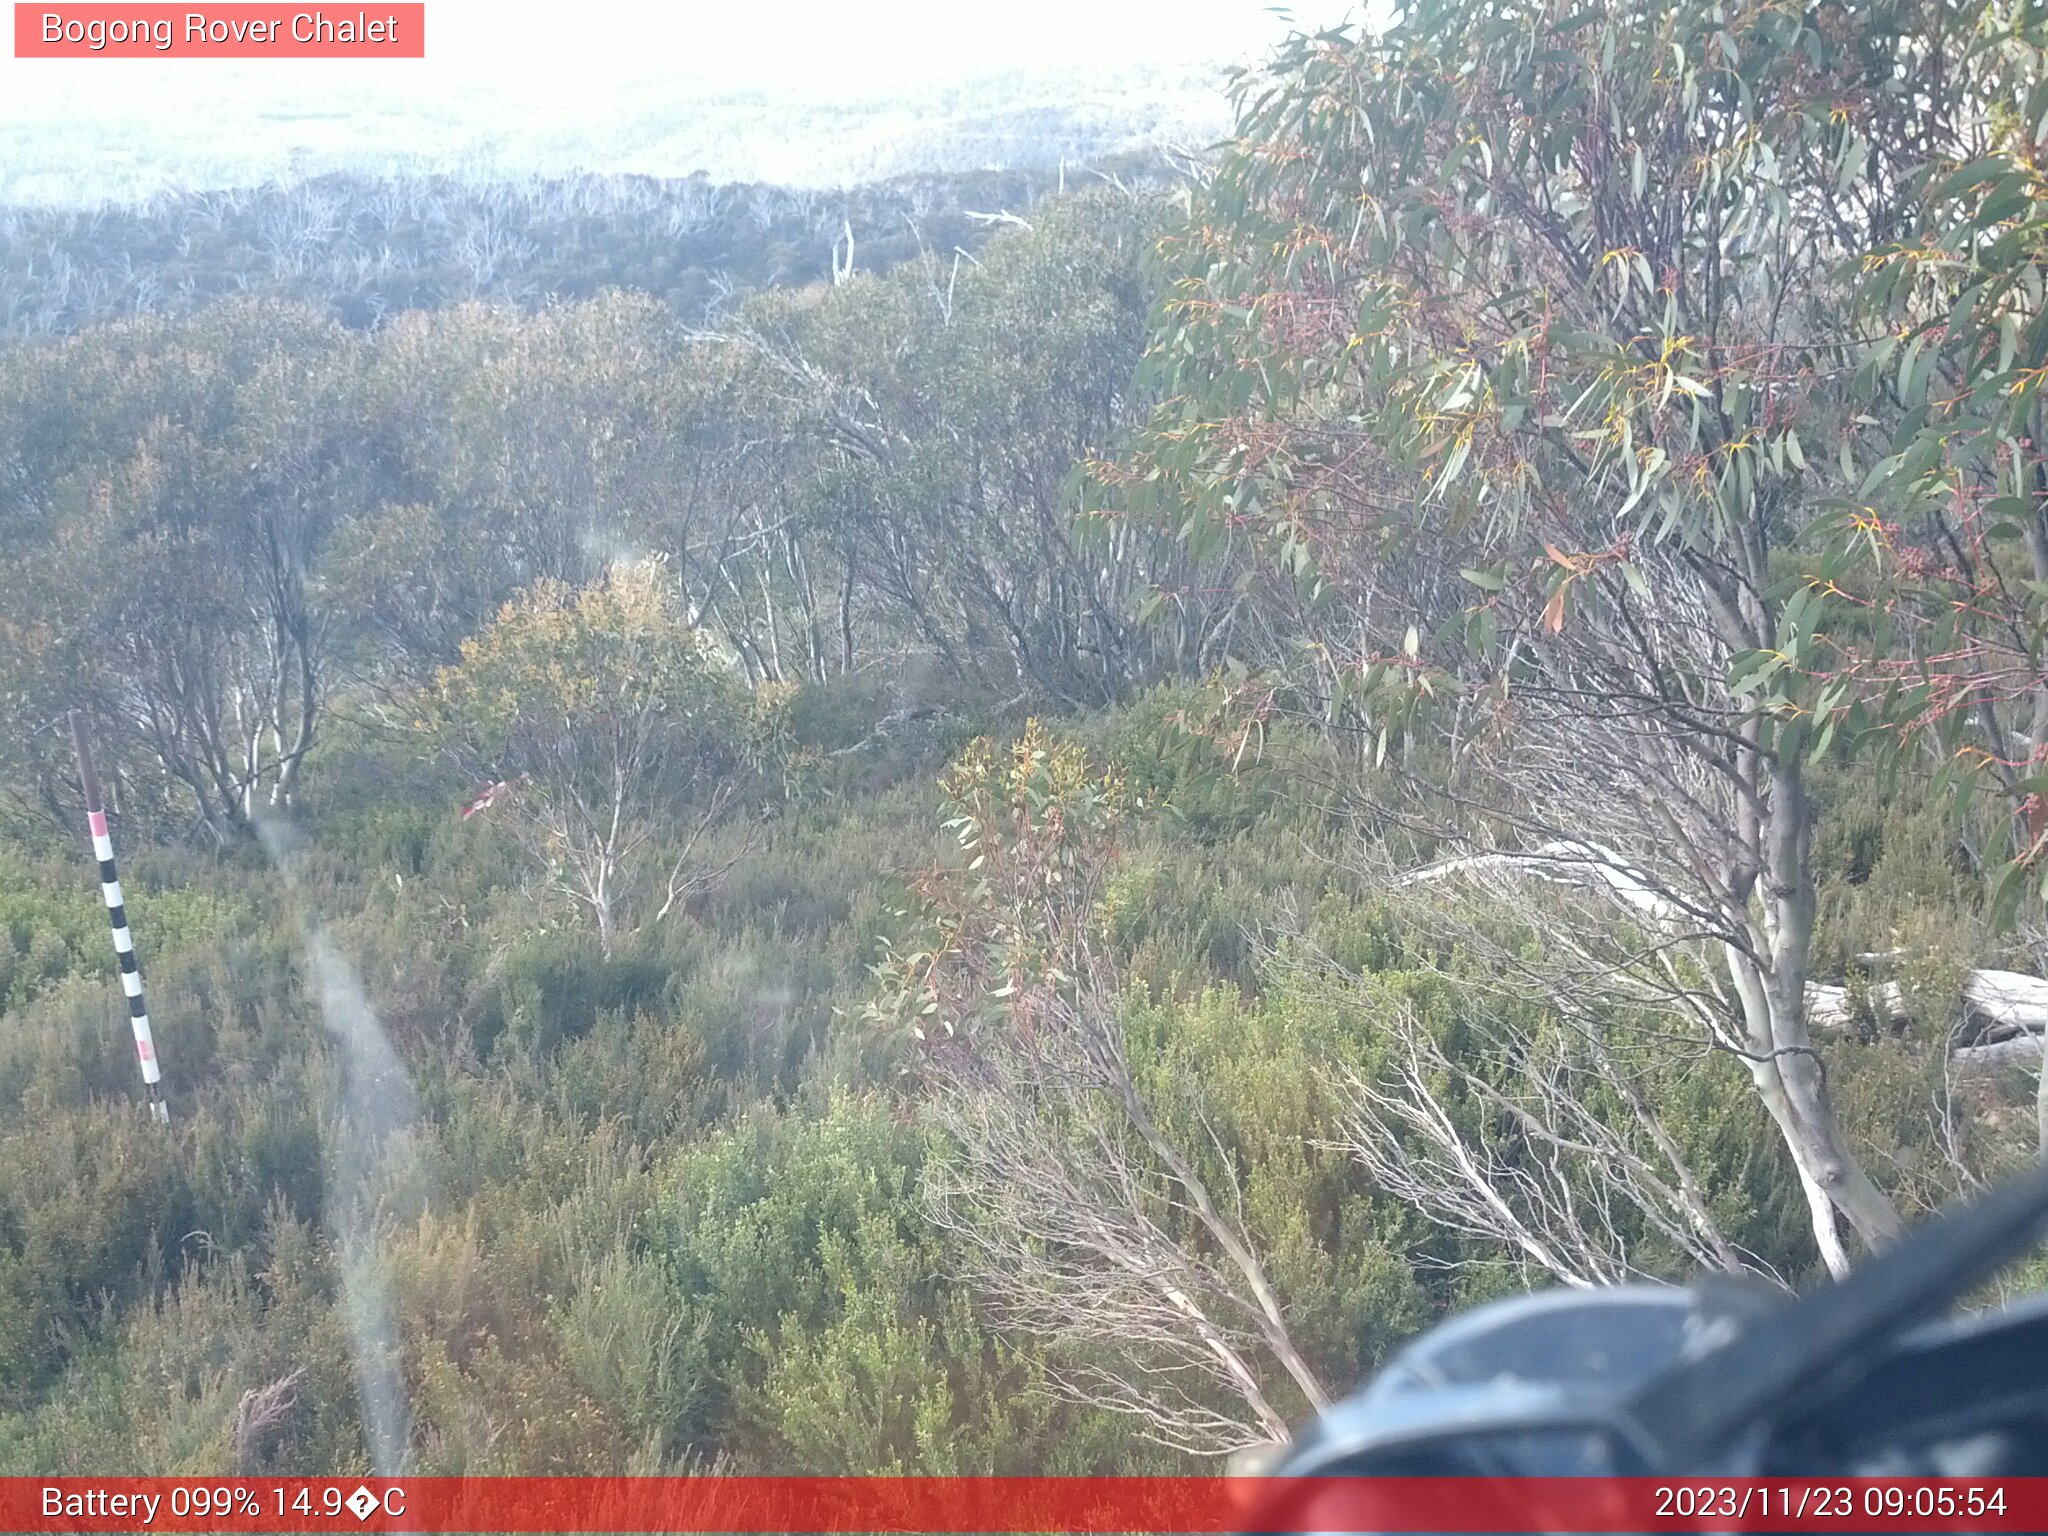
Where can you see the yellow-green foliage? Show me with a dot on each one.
(558, 659)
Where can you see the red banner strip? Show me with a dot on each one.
(376, 30)
(744, 1506)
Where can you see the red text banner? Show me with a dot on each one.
(742, 1506)
(231, 31)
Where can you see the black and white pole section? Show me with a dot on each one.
(124, 941)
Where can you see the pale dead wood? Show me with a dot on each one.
(1089, 1228)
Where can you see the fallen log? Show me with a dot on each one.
(1984, 1060)
(2004, 1018)
(1828, 1011)
(1997, 1006)
(2005, 1004)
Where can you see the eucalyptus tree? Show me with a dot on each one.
(1507, 361)
(1946, 531)
(1945, 535)
(599, 717)
(173, 486)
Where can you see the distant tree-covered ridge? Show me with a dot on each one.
(363, 249)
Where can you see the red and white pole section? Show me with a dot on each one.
(124, 940)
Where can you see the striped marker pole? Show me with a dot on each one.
(117, 914)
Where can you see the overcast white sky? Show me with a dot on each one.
(556, 83)
(554, 48)
(833, 43)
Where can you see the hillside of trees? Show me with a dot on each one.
(1023, 861)
(364, 249)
